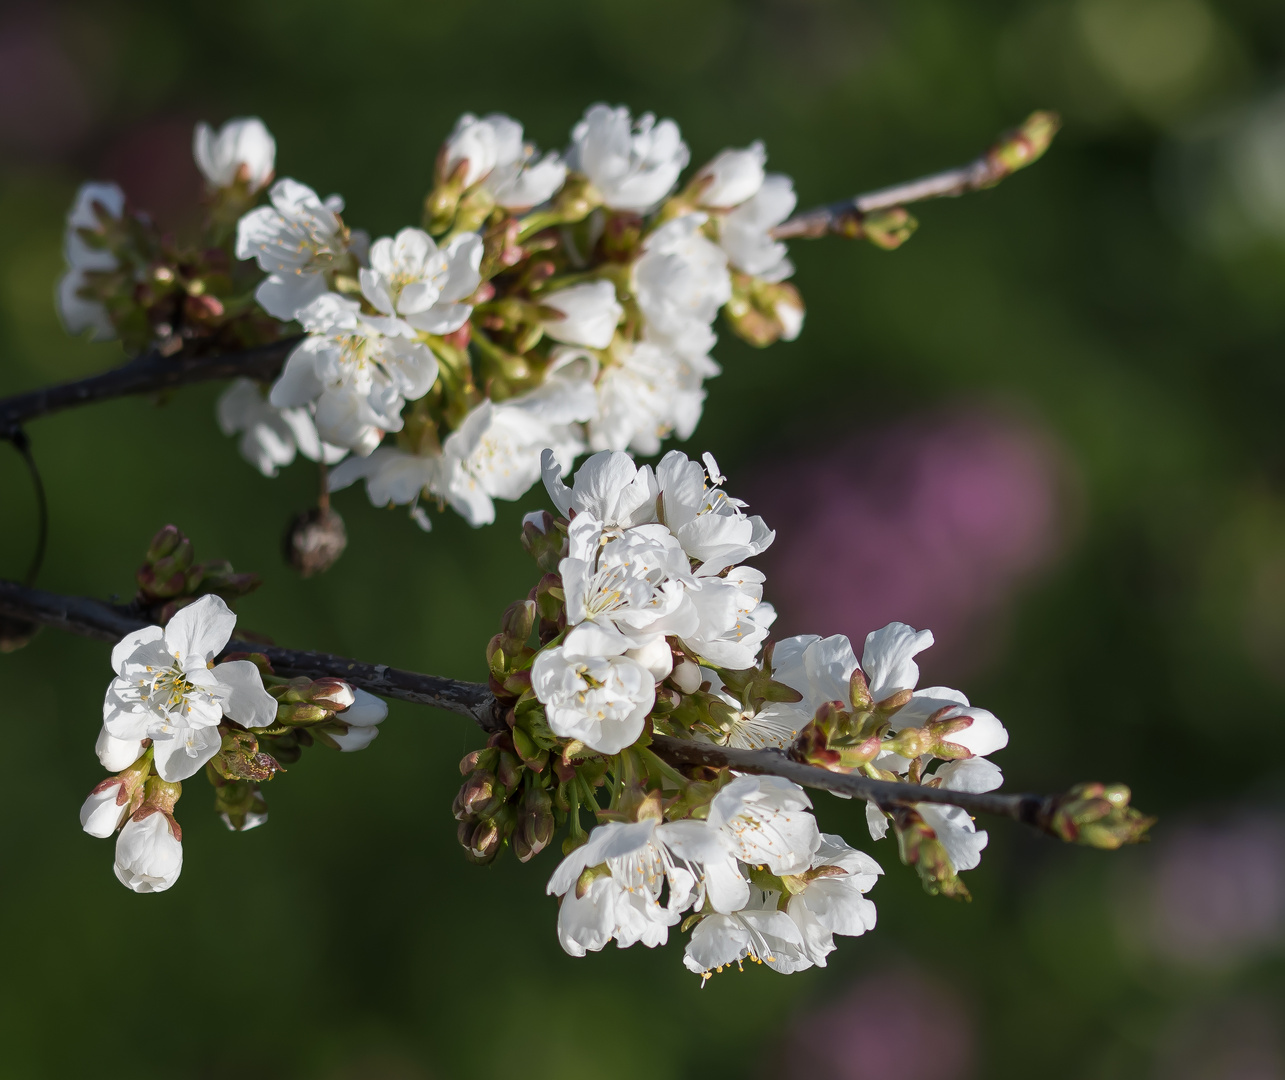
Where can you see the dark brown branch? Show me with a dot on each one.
(109, 622)
(145, 375)
(1015, 150)
(1030, 809)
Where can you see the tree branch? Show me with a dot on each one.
(1015, 150)
(110, 622)
(144, 375)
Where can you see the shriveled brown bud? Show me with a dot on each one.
(314, 541)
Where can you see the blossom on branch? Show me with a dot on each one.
(633, 164)
(358, 369)
(296, 241)
(243, 151)
(168, 689)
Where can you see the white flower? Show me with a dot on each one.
(168, 690)
(646, 393)
(242, 150)
(602, 701)
(681, 281)
(363, 718)
(270, 437)
(105, 809)
(411, 277)
(359, 369)
(149, 852)
(831, 898)
(608, 486)
(821, 670)
(759, 932)
(591, 312)
(494, 454)
(656, 656)
(632, 168)
(710, 525)
(78, 313)
(733, 177)
(623, 591)
(498, 158)
(683, 861)
(827, 899)
(732, 620)
(392, 476)
(117, 754)
(295, 241)
(766, 821)
(745, 232)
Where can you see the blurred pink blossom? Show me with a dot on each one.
(933, 521)
(1216, 893)
(45, 107)
(153, 163)
(896, 1025)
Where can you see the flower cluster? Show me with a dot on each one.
(171, 711)
(563, 301)
(647, 623)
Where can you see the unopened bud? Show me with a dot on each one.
(517, 624)
(165, 543)
(686, 676)
(535, 829)
(241, 805)
(888, 229)
(314, 541)
(921, 849)
(543, 541)
(1023, 146)
(1098, 815)
(910, 742)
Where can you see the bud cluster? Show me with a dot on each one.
(170, 579)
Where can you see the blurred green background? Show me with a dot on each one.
(1125, 297)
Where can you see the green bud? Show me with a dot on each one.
(441, 202)
(888, 229)
(1098, 815)
(535, 823)
(544, 542)
(478, 759)
(303, 713)
(165, 543)
(1023, 146)
(921, 849)
(517, 624)
(240, 804)
(550, 596)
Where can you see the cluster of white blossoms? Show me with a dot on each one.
(651, 625)
(171, 711)
(562, 301)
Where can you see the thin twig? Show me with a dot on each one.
(147, 374)
(108, 622)
(1015, 150)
